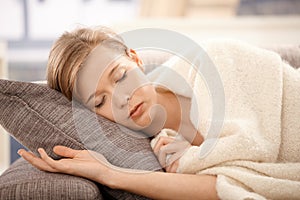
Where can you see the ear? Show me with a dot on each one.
(134, 56)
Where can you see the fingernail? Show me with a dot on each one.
(19, 152)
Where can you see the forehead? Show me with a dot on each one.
(99, 60)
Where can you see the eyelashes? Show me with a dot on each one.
(124, 76)
(102, 102)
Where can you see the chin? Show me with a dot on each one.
(138, 124)
(141, 124)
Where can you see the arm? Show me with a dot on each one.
(160, 185)
(156, 185)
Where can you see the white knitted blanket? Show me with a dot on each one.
(257, 154)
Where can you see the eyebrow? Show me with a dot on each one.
(109, 75)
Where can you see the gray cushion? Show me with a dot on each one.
(38, 116)
(23, 181)
(289, 53)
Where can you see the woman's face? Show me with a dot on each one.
(115, 87)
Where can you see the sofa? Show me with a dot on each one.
(23, 114)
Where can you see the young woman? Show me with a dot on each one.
(259, 139)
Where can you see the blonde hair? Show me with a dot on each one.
(70, 51)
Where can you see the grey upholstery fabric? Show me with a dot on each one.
(290, 53)
(23, 181)
(38, 116)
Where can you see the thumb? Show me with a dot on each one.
(65, 151)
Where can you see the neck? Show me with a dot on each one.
(173, 112)
(173, 109)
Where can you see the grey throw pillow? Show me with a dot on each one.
(23, 181)
(38, 116)
(289, 53)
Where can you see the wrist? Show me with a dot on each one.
(105, 175)
(120, 178)
(113, 179)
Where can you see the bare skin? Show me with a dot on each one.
(92, 165)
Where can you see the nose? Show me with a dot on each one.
(120, 101)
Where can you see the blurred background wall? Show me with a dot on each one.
(29, 27)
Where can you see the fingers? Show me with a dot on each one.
(161, 149)
(173, 167)
(173, 162)
(65, 151)
(165, 152)
(161, 142)
(46, 163)
(35, 161)
(168, 150)
(56, 165)
(175, 156)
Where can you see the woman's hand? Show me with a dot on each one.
(169, 150)
(94, 166)
(84, 163)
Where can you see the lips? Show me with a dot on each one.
(136, 111)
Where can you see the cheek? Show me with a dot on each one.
(106, 112)
(150, 92)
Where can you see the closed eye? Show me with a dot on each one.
(101, 103)
(123, 77)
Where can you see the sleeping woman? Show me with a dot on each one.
(255, 155)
